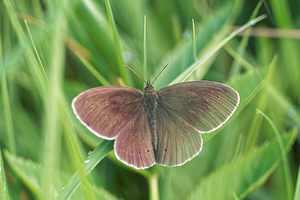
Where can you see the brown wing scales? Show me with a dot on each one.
(106, 110)
(133, 145)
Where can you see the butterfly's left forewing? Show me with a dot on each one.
(205, 105)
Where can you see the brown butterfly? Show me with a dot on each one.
(162, 126)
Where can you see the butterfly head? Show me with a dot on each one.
(148, 87)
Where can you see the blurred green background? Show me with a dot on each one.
(52, 50)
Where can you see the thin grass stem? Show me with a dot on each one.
(241, 49)
(286, 170)
(145, 74)
(116, 40)
(36, 52)
(153, 187)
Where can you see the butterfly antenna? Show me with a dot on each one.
(135, 73)
(160, 72)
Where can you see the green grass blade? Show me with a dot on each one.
(145, 50)
(243, 175)
(75, 149)
(116, 41)
(153, 187)
(38, 78)
(4, 194)
(92, 69)
(182, 56)
(239, 59)
(28, 172)
(241, 49)
(212, 52)
(89, 164)
(286, 169)
(52, 137)
(8, 117)
(36, 52)
(297, 190)
(290, 49)
(194, 40)
(254, 128)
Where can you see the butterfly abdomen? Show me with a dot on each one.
(150, 104)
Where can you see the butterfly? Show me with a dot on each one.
(149, 126)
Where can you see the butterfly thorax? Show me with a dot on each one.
(150, 104)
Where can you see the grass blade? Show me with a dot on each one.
(36, 52)
(51, 128)
(153, 187)
(3, 185)
(286, 169)
(245, 174)
(116, 41)
(89, 164)
(212, 52)
(145, 50)
(297, 190)
(241, 49)
(8, 117)
(182, 57)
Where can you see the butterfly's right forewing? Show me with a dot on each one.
(107, 110)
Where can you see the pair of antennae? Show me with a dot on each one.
(142, 77)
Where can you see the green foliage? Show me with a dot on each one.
(52, 50)
(3, 185)
(31, 175)
(241, 176)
